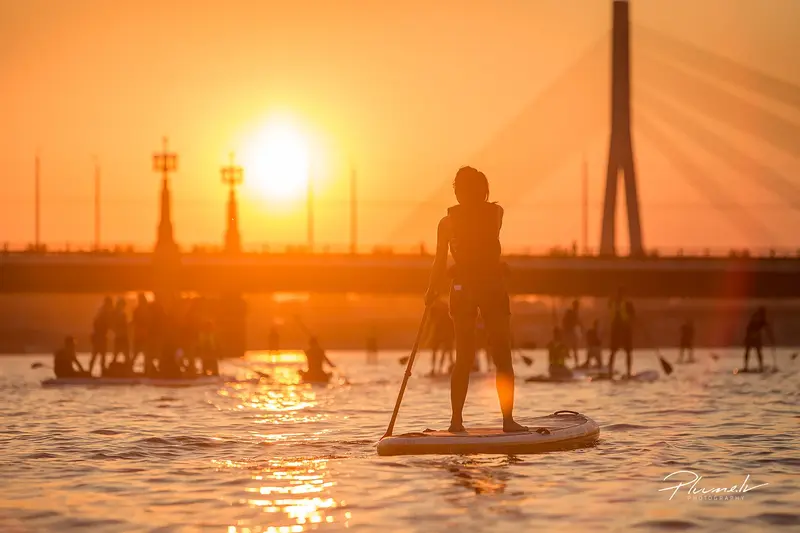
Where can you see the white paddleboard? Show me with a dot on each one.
(562, 430)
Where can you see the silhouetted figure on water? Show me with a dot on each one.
(622, 321)
(687, 341)
(753, 339)
(557, 353)
(101, 325)
(140, 325)
(594, 347)
(572, 329)
(273, 340)
(441, 338)
(65, 361)
(471, 232)
(372, 347)
(316, 359)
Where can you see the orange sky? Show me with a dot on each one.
(412, 90)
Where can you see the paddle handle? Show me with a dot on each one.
(407, 375)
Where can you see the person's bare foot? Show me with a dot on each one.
(510, 426)
(456, 427)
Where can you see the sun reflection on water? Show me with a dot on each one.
(296, 494)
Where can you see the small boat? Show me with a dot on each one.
(563, 430)
(130, 381)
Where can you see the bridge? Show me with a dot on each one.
(680, 92)
(650, 277)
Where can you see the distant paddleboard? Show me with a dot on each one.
(767, 370)
(577, 377)
(153, 382)
(646, 376)
(563, 430)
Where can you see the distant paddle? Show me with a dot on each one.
(254, 371)
(794, 356)
(714, 356)
(34, 366)
(664, 363)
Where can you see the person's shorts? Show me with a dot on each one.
(490, 298)
(621, 340)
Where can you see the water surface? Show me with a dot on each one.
(286, 457)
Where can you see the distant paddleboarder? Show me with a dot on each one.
(594, 347)
(622, 318)
(65, 361)
(687, 341)
(557, 352)
(471, 232)
(571, 329)
(316, 361)
(753, 339)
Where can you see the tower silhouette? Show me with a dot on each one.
(620, 151)
(165, 162)
(232, 176)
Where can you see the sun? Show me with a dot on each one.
(277, 161)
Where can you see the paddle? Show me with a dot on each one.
(34, 366)
(407, 373)
(664, 363)
(254, 371)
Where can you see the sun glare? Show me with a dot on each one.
(277, 161)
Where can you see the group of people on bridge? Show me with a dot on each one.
(172, 340)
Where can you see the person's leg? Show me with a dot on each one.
(612, 355)
(498, 326)
(760, 357)
(459, 379)
(746, 354)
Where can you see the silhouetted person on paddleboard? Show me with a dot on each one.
(753, 339)
(557, 353)
(622, 317)
(572, 329)
(687, 341)
(274, 340)
(441, 337)
(65, 361)
(101, 325)
(594, 347)
(471, 232)
(316, 359)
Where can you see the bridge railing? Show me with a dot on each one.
(420, 249)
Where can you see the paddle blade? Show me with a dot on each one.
(527, 360)
(34, 366)
(666, 366)
(403, 360)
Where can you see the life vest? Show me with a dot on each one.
(620, 311)
(475, 239)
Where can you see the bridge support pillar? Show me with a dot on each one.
(620, 153)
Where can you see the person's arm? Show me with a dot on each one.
(439, 270)
(76, 363)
